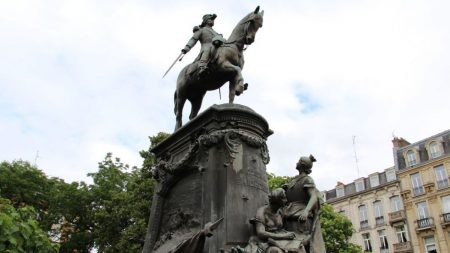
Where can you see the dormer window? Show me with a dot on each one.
(374, 180)
(340, 192)
(359, 185)
(411, 158)
(435, 150)
(390, 175)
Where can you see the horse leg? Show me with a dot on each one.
(179, 104)
(196, 104)
(238, 80)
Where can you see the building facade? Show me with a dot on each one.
(374, 206)
(422, 170)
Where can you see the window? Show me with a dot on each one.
(417, 184)
(401, 233)
(434, 149)
(430, 246)
(359, 185)
(411, 157)
(342, 212)
(441, 176)
(396, 204)
(422, 210)
(446, 208)
(383, 239)
(390, 175)
(340, 192)
(378, 210)
(374, 180)
(363, 220)
(367, 244)
(424, 220)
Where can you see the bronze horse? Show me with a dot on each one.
(226, 66)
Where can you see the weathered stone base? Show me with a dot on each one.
(212, 167)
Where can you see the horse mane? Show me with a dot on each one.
(238, 31)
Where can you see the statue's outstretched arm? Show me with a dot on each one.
(191, 43)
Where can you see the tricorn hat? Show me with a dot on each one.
(206, 17)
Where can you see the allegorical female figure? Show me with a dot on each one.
(301, 214)
(270, 229)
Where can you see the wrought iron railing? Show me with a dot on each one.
(425, 223)
(418, 190)
(379, 220)
(364, 224)
(441, 184)
(446, 217)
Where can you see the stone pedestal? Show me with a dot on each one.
(211, 168)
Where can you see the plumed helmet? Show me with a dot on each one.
(206, 17)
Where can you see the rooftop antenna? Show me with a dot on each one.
(354, 151)
(36, 158)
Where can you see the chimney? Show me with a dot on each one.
(400, 142)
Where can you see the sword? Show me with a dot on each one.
(179, 58)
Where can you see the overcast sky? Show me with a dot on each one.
(82, 78)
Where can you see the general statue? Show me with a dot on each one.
(209, 39)
(219, 61)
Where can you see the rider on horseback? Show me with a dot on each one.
(209, 40)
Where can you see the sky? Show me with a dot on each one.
(82, 78)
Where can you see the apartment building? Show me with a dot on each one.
(422, 170)
(374, 206)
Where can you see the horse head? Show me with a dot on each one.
(245, 31)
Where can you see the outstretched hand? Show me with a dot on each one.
(303, 215)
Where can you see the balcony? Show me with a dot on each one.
(402, 247)
(425, 224)
(445, 220)
(379, 221)
(397, 216)
(364, 225)
(441, 184)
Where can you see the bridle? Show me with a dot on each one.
(246, 26)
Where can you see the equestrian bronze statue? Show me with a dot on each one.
(219, 61)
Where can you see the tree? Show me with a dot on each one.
(20, 232)
(277, 181)
(71, 206)
(62, 210)
(122, 201)
(337, 230)
(24, 184)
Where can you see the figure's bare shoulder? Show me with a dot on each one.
(260, 213)
(309, 182)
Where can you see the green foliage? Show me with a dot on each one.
(111, 214)
(277, 181)
(149, 158)
(71, 209)
(336, 231)
(20, 232)
(24, 184)
(122, 201)
(110, 210)
(62, 209)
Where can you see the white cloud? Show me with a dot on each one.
(81, 78)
